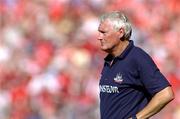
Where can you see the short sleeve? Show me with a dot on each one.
(151, 77)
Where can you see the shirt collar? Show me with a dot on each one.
(127, 50)
(109, 57)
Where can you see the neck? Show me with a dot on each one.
(120, 48)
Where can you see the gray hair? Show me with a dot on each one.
(118, 20)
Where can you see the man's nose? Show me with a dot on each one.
(100, 36)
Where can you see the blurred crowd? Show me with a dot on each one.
(50, 61)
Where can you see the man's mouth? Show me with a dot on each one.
(102, 43)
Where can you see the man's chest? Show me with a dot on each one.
(119, 76)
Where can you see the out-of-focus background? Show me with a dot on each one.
(50, 59)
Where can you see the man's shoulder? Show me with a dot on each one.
(139, 55)
(137, 51)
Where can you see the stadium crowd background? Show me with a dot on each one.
(50, 59)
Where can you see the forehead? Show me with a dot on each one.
(105, 26)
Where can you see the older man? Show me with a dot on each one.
(131, 85)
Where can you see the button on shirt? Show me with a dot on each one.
(128, 82)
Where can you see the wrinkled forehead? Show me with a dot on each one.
(105, 25)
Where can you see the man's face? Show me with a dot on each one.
(108, 37)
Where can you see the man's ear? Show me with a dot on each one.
(121, 33)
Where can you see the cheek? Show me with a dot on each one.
(112, 38)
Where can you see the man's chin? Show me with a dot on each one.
(105, 50)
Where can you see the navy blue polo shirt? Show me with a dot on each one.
(129, 83)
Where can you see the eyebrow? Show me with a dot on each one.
(102, 31)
